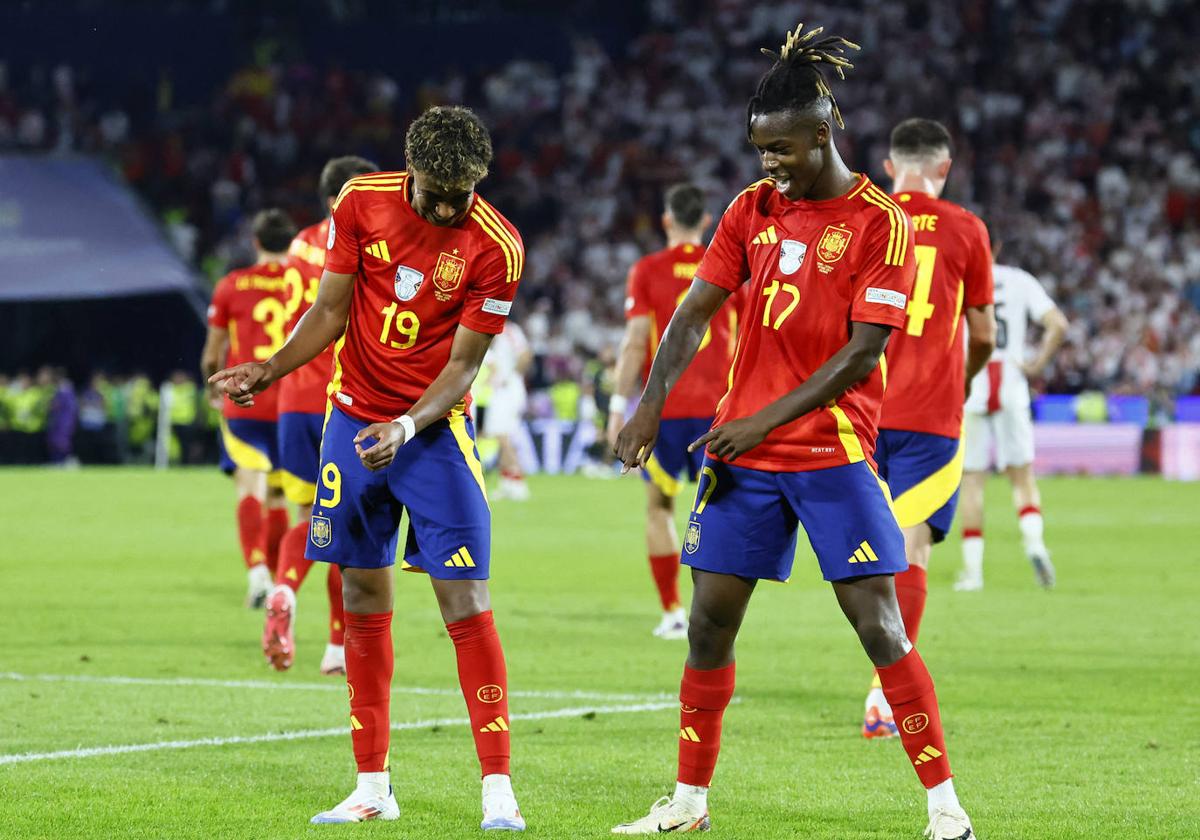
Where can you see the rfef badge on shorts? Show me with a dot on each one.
(321, 531)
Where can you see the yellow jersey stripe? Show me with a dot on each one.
(351, 188)
(863, 183)
(518, 251)
(752, 188)
(889, 255)
(898, 232)
(958, 302)
(845, 430)
(899, 221)
(365, 181)
(500, 237)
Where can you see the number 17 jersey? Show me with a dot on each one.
(414, 284)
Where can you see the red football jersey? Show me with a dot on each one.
(813, 267)
(657, 284)
(304, 389)
(252, 303)
(416, 282)
(926, 363)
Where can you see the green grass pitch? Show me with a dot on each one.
(1069, 714)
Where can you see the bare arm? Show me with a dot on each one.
(981, 339)
(444, 392)
(216, 345)
(679, 344)
(319, 327)
(634, 343)
(854, 362)
(1055, 324)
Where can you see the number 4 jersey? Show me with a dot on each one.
(812, 268)
(252, 304)
(415, 282)
(926, 364)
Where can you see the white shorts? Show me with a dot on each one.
(503, 415)
(1012, 431)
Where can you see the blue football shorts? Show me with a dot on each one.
(671, 458)
(300, 455)
(924, 472)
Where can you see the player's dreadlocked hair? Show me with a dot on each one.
(339, 170)
(450, 145)
(795, 82)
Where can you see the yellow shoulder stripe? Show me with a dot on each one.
(370, 183)
(752, 187)
(514, 256)
(898, 233)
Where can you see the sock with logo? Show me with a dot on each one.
(665, 569)
(1030, 521)
(293, 565)
(369, 676)
(250, 526)
(337, 616)
(911, 589)
(275, 526)
(972, 552)
(484, 681)
(703, 696)
(909, 689)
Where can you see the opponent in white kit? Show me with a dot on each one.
(998, 410)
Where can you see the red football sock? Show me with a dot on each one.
(369, 676)
(909, 691)
(250, 522)
(337, 618)
(665, 568)
(911, 589)
(275, 526)
(703, 696)
(293, 565)
(484, 682)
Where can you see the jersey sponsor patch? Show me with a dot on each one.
(408, 282)
(791, 256)
(332, 234)
(888, 297)
(497, 307)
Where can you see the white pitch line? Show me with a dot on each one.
(87, 752)
(338, 686)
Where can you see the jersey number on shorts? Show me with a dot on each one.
(407, 324)
(920, 309)
(773, 290)
(272, 313)
(331, 478)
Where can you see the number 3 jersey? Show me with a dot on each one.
(812, 267)
(926, 361)
(252, 304)
(414, 284)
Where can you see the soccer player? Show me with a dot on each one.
(793, 438)
(302, 402)
(420, 273)
(656, 285)
(247, 321)
(919, 452)
(998, 409)
(505, 365)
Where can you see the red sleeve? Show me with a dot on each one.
(979, 288)
(887, 268)
(490, 295)
(218, 310)
(637, 295)
(342, 253)
(726, 263)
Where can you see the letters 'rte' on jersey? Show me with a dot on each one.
(812, 268)
(304, 389)
(926, 361)
(415, 282)
(252, 304)
(657, 284)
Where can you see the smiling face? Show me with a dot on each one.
(792, 148)
(439, 204)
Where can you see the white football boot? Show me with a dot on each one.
(949, 824)
(500, 810)
(667, 815)
(333, 663)
(362, 805)
(259, 584)
(1043, 569)
(674, 625)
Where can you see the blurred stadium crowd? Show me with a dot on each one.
(1077, 124)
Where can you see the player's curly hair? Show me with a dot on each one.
(795, 82)
(273, 229)
(450, 145)
(339, 170)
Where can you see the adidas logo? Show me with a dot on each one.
(767, 237)
(355, 725)
(462, 559)
(927, 754)
(863, 554)
(379, 250)
(498, 725)
(689, 734)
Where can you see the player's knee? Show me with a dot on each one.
(363, 592)
(883, 640)
(710, 640)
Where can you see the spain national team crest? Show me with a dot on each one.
(408, 282)
(321, 531)
(833, 243)
(691, 538)
(448, 274)
(791, 255)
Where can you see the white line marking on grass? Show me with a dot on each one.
(87, 752)
(337, 685)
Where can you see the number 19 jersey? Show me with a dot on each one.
(252, 304)
(414, 283)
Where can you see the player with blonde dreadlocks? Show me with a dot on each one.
(830, 263)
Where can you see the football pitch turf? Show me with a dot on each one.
(136, 702)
